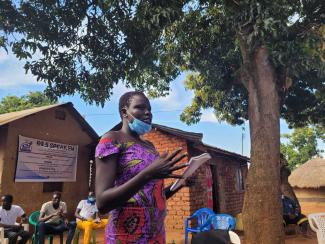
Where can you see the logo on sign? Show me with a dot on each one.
(26, 146)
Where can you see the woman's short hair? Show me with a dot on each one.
(126, 98)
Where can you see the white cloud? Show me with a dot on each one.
(178, 97)
(170, 102)
(13, 72)
(3, 56)
(208, 116)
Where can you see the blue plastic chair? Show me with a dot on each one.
(202, 215)
(221, 222)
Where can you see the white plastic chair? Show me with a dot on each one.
(26, 228)
(3, 240)
(234, 238)
(317, 224)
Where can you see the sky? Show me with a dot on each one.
(166, 110)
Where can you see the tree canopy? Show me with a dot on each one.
(32, 99)
(88, 47)
(247, 59)
(301, 147)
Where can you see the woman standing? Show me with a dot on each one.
(129, 176)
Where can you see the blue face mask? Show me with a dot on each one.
(91, 200)
(139, 126)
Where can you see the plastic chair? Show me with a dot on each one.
(33, 220)
(317, 224)
(3, 240)
(223, 222)
(234, 238)
(77, 233)
(202, 215)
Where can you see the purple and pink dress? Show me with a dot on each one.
(141, 219)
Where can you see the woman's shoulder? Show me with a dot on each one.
(108, 144)
(114, 135)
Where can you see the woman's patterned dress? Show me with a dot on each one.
(141, 219)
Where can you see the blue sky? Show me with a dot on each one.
(166, 110)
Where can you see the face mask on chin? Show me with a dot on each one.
(139, 126)
(91, 200)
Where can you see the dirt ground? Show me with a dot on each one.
(179, 239)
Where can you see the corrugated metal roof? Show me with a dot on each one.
(13, 116)
(10, 117)
(191, 136)
(222, 151)
(195, 138)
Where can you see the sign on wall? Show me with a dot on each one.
(45, 161)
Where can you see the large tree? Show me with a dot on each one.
(31, 100)
(301, 145)
(250, 59)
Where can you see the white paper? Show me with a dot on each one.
(193, 165)
(45, 161)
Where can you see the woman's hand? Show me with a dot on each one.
(164, 166)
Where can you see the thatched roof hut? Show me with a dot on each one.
(308, 182)
(309, 175)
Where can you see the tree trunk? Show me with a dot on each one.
(262, 211)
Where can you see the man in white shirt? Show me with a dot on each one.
(53, 219)
(87, 217)
(8, 217)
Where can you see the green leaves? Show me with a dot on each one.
(302, 146)
(88, 47)
(33, 99)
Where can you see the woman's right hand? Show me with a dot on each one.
(164, 165)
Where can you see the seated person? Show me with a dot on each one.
(292, 214)
(53, 219)
(291, 208)
(8, 217)
(87, 217)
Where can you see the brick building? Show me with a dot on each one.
(59, 123)
(219, 184)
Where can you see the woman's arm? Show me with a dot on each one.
(110, 197)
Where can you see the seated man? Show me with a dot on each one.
(8, 217)
(292, 214)
(291, 208)
(87, 217)
(53, 219)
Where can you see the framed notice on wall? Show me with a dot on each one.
(45, 161)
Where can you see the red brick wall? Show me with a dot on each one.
(199, 191)
(178, 206)
(230, 197)
(184, 203)
(187, 200)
